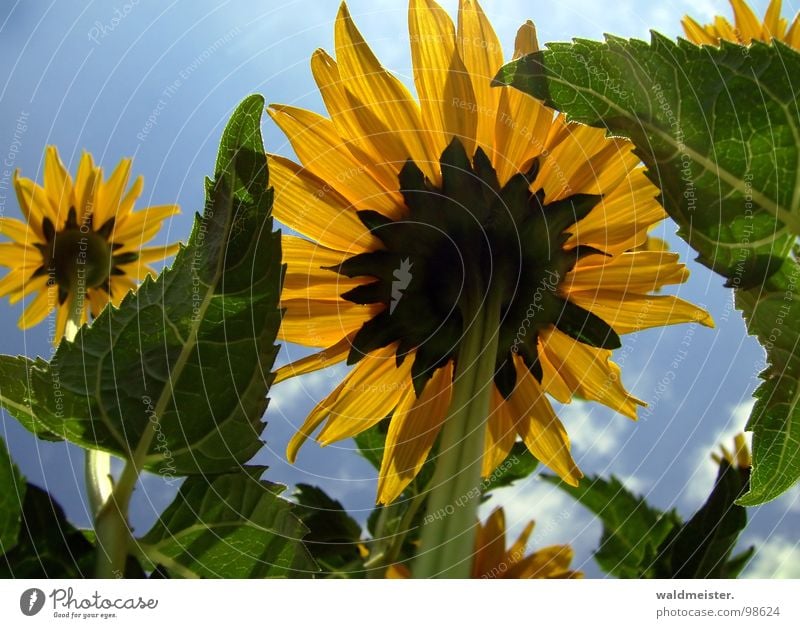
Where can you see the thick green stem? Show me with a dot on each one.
(97, 474)
(450, 523)
(111, 523)
(97, 464)
(110, 517)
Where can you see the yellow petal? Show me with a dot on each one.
(12, 283)
(373, 390)
(58, 183)
(87, 182)
(517, 551)
(384, 98)
(109, 194)
(17, 285)
(641, 271)
(62, 315)
(725, 30)
(19, 257)
(34, 203)
(628, 313)
(314, 209)
(620, 221)
(128, 201)
(38, 309)
(323, 153)
(526, 41)
(480, 49)
(552, 382)
(307, 275)
(539, 427)
(589, 372)
(747, 23)
(351, 121)
(500, 435)
(98, 299)
(312, 422)
(120, 287)
(135, 229)
(581, 160)
(158, 253)
(137, 270)
(397, 572)
(412, 432)
(548, 562)
(490, 545)
(793, 34)
(316, 361)
(443, 84)
(696, 33)
(774, 26)
(323, 323)
(521, 131)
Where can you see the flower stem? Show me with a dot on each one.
(110, 521)
(97, 474)
(97, 464)
(75, 307)
(448, 535)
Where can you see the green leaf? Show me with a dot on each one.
(186, 359)
(772, 314)
(48, 546)
(333, 536)
(12, 494)
(719, 131)
(735, 565)
(518, 465)
(703, 546)
(228, 526)
(632, 530)
(640, 541)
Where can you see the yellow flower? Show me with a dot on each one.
(78, 236)
(407, 210)
(493, 560)
(748, 27)
(740, 456)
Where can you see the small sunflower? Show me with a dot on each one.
(739, 457)
(748, 27)
(80, 239)
(411, 213)
(492, 559)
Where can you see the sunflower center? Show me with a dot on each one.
(78, 255)
(456, 245)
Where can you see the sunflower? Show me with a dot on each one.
(492, 559)
(81, 241)
(739, 457)
(415, 219)
(748, 27)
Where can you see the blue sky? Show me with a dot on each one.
(90, 75)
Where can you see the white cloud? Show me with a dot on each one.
(637, 485)
(304, 391)
(777, 557)
(791, 499)
(598, 435)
